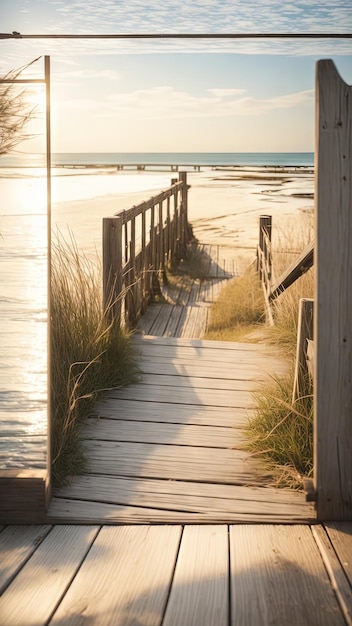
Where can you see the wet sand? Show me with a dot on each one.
(223, 206)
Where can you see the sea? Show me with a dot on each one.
(76, 177)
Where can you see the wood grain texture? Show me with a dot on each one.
(189, 496)
(336, 573)
(124, 580)
(17, 544)
(340, 534)
(38, 588)
(172, 413)
(278, 577)
(173, 462)
(23, 495)
(199, 593)
(151, 432)
(333, 313)
(189, 396)
(187, 381)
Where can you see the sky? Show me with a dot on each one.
(177, 95)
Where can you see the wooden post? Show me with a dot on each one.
(131, 295)
(333, 308)
(184, 214)
(112, 268)
(144, 263)
(48, 202)
(265, 226)
(305, 331)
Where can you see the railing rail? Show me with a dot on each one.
(273, 288)
(137, 244)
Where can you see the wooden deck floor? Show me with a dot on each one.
(153, 534)
(208, 575)
(169, 448)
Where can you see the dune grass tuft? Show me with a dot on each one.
(281, 433)
(87, 355)
(238, 310)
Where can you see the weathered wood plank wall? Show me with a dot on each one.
(333, 311)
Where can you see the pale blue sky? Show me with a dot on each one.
(180, 95)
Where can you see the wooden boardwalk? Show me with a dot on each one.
(174, 524)
(174, 575)
(170, 448)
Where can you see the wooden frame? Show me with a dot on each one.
(333, 312)
(25, 493)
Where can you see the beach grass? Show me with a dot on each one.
(281, 432)
(88, 355)
(239, 310)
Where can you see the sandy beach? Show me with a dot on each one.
(223, 206)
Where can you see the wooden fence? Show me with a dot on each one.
(330, 357)
(137, 244)
(273, 288)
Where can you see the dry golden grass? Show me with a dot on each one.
(239, 309)
(87, 354)
(288, 244)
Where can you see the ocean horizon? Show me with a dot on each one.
(206, 159)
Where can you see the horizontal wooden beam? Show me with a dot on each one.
(138, 209)
(24, 496)
(303, 263)
(17, 35)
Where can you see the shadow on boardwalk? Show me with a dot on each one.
(170, 448)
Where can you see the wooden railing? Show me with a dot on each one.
(273, 288)
(137, 244)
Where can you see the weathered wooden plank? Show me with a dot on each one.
(340, 534)
(208, 499)
(278, 577)
(200, 397)
(87, 512)
(173, 413)
(206, 344)
(161, 321)
(187, 381)
(298, 267)
(199, 593)
(333, 312)
(151, 432)
(205, 370)
(23, 495)
(17, 544)
(147, 320)
(336, 573)
(172, 462)
(263, 362)
(125, 578)
(174, 320)
(301, 385)
(39, 586)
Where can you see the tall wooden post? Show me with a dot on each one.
(333, 309)
(184, 213)
(265, 226)
(112, 268)
(304, 332)
(48, 202)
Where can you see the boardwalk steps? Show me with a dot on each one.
(170, 448)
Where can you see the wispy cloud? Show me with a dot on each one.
(167, 102)
(189, 16)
